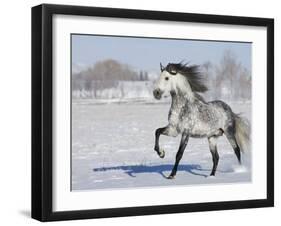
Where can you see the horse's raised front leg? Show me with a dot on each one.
(183, 143)
(158, 132)
(168, 131)
(213, 148)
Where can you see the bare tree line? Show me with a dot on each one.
(228, 79)
(105, 74)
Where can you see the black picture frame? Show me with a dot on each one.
(42, 107)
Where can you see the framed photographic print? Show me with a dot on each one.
(145, 112)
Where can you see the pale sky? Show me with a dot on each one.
(147, 53)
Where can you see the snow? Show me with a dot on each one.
(123, 89)
(112, 147)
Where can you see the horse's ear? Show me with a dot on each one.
(173, 72)
(161, 67)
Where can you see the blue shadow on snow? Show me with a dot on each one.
(131, 170)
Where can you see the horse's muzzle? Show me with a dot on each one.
(157, 93)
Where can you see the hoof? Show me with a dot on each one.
(161, 153)
(171, 177)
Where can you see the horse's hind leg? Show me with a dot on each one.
(213, 148)
(183, 143)
(232, 140)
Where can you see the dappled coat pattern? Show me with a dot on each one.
(191, 116)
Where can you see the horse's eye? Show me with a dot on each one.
(166, 78)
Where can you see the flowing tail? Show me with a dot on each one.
(243, 133)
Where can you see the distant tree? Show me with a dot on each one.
(141, 75)
(227, 79)
(227, 75)
(146, 76)
(245, 84)
(103, 74)
(207, 67)
(207, 70)
(77, 83)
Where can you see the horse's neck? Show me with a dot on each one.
(179, 100)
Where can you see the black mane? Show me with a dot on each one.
(191, 73)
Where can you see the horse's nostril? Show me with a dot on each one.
(157, 93)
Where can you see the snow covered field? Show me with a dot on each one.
(112, 147)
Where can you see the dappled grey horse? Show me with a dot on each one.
(191, 116)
